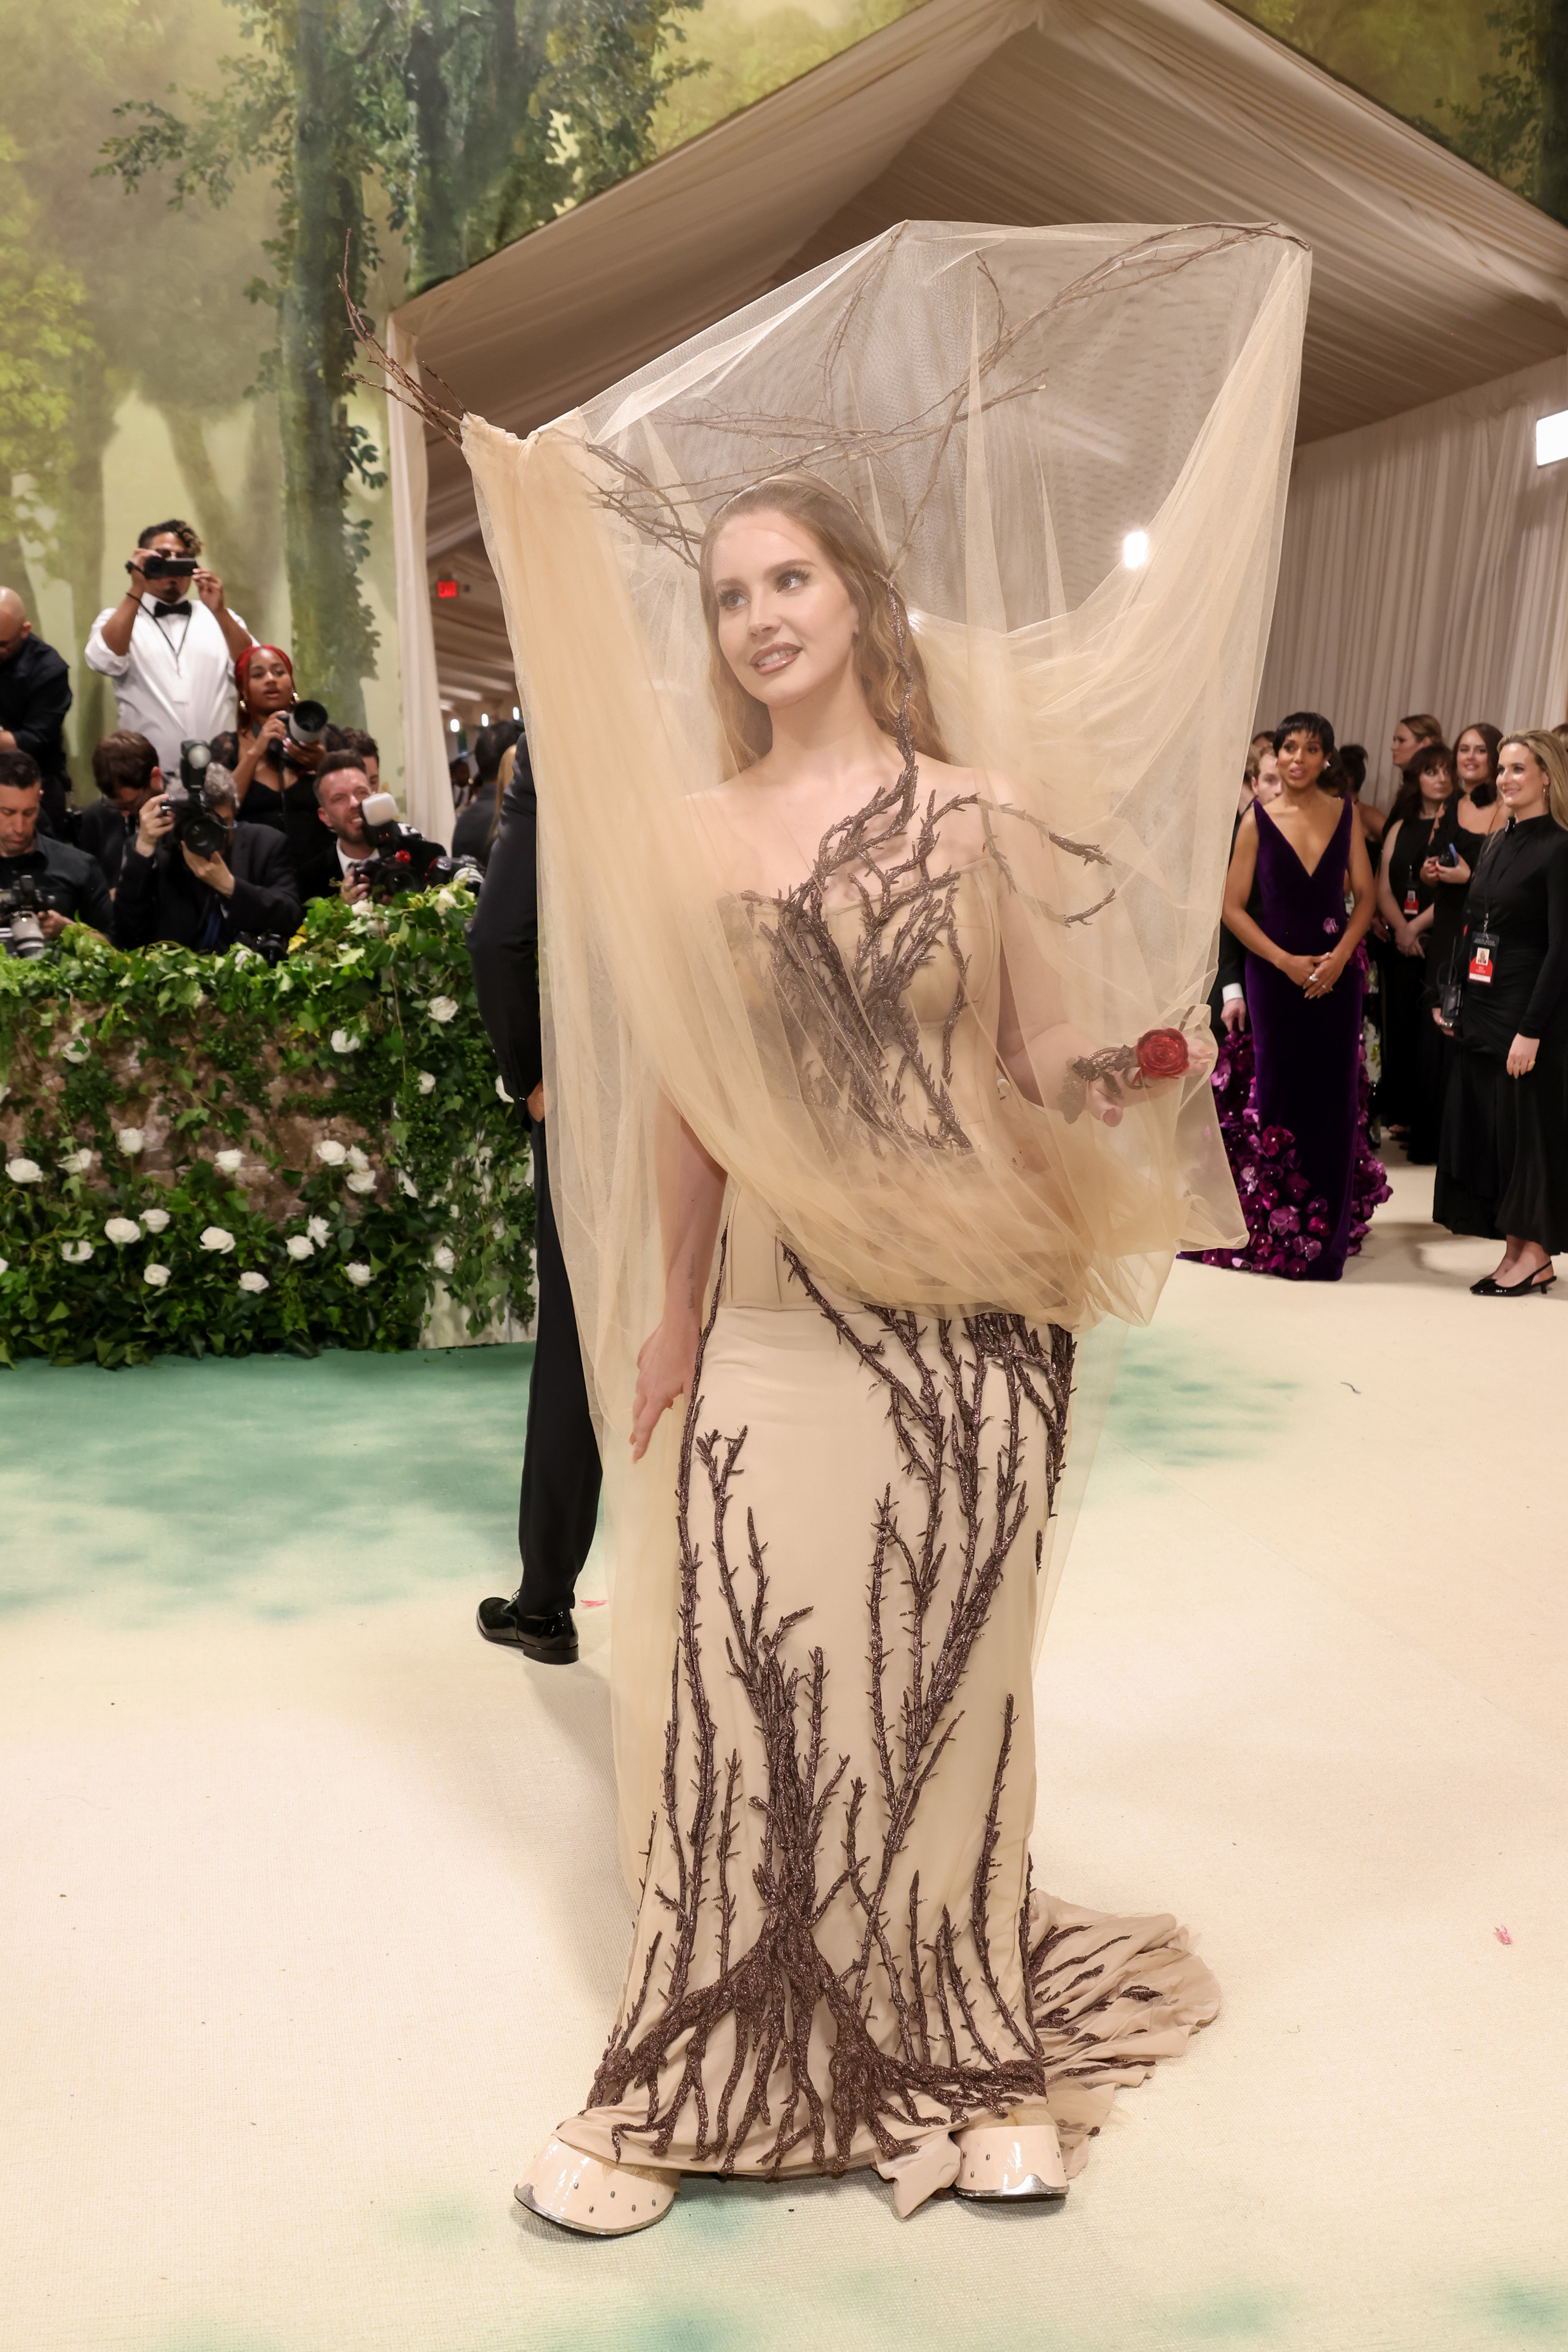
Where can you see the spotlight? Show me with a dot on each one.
(456, 725)
(1135, 551)
(515, 712)
(1551, 438)
(483, 719)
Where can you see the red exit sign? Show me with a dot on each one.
(446, 588)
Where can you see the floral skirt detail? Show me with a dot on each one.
(1288, 1222)
(838, 1958)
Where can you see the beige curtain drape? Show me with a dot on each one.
(1425, 567)
(427, 788)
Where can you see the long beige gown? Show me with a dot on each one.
(839, 1957)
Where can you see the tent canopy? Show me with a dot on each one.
(1428, 278)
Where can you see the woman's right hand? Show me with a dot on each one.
(667, 1365)
(252, 748)
(1299, 969)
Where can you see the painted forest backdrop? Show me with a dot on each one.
(179, 179)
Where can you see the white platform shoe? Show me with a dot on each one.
(997, 2160)
(601, 2200)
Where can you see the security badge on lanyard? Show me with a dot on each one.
(1483, 957)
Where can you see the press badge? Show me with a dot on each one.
(1412, 903)
(1483, 950)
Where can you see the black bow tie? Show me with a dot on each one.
(163, 612)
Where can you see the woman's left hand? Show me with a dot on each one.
(1522, 1056)
(1324, 975)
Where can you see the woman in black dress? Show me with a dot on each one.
(1417, 830)
(1503, 1170)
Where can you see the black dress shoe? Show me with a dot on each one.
(551, 1639)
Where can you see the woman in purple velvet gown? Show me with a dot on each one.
(1295, 1123)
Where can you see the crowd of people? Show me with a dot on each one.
(280, 797)
(1403, 974)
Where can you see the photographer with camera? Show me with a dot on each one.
(171, 660)
(197, 877)
(125, 770)
(373, 853)
(51, 883)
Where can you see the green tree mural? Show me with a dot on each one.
(474, 123)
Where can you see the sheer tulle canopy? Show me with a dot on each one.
(1069, 449)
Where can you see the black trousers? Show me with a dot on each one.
(559, 1505)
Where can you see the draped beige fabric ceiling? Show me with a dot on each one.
(1428, 279)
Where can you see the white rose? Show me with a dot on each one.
(443, 1008)
(362, 1181)
(131, 1139)
(155, 1219)
(76, 1253)
(156, 1275)
(77, 1051)
(215, 1238)
(501, 1090)
(76, 1163)
(356, 1157)
(345, 1041)
(441, 1259)
(358, 1274)
(498, 1229)
(231, 1162)
(317, 1229)
(5, 1265)
(23, 1171)
(406, 1184)
(254, 1282)
(427, 1082)
(121, 1230)
(300, 1247)
(333, 1153)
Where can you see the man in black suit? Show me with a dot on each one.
(559, 1502)
(67, 882)
(125, 770)
(168, 892)
(331, 870)
(35, 695)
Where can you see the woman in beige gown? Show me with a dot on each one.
(881, 849)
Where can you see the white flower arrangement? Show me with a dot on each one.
(331, 1152)
(300, 1247)
(218, 1239)
(357, 1272)
(155, 1219)
(254, 1282)
(361, 1180)
(23, 1171)
(356, 1157)
(121, 1230)
(76, 1253)
(442, 1009)
(131, 1139)
(343, 1040)
(426, 1082)
(231, 1162)
(441, 1259)
(76, 1163)
(155, 1274)
(319, 1230)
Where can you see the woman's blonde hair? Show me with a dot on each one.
(1550, 752)
(887, 659)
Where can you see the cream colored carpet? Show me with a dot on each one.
(311, 1925)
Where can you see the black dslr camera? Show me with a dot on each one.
(166, 567)
(22, 904)
(196, 826)
(402, 860)
(305, 723)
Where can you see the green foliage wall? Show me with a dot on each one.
(204, 1154)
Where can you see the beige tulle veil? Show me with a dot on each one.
(1014, 412)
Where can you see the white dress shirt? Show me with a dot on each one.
(177, 681)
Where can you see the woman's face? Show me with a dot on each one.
(787, 624)
(1472, 758)
(1267, 786)
(1302, 762)
(1436, 785)
(1521, 780)
(268, 685)
(1405, 745)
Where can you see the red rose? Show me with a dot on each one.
(1162, 1053)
